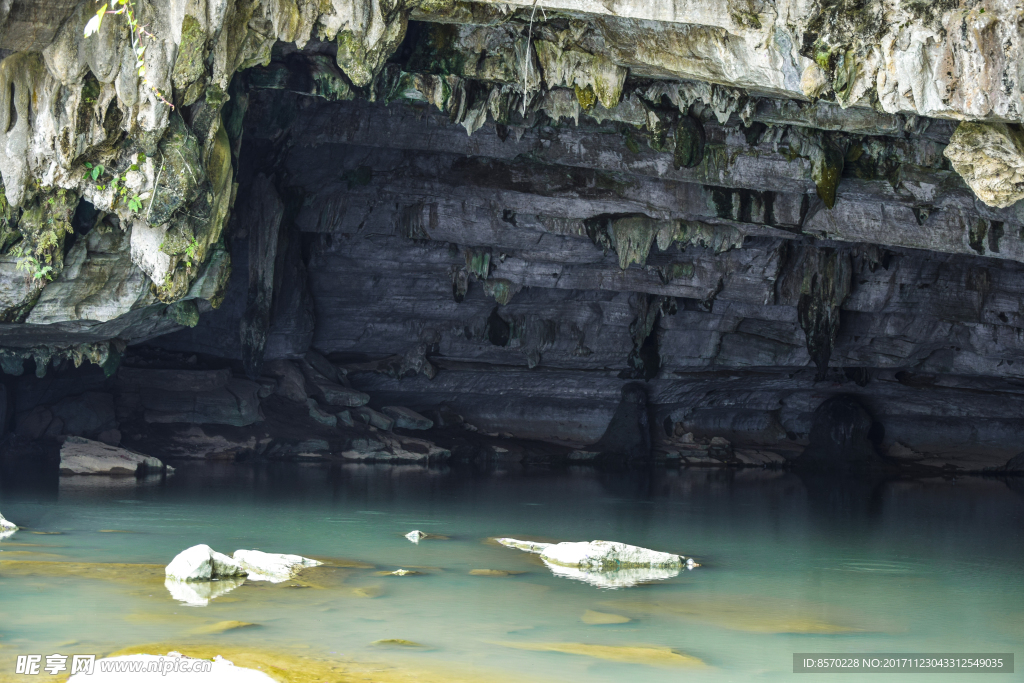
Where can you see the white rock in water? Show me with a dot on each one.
(200, 593)
(202, 563)
(83, 456)
(6, 526)
(170, 668)
(608, 556)
(415, 536)
(273, 567)
(604, 563)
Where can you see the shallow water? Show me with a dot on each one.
(789, 565)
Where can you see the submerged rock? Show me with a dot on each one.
(83, 456)
(202, 563)
(630, 654)
(604, 564)
(273, 567)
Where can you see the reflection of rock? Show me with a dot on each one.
(618, 578)
(273, 567)
(202, 563)
(82, 456)
(604, 563)
(200, 593)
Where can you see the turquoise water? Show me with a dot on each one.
(789, 565)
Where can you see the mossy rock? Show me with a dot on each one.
(184, 313)
(189, 64)
(180, 175)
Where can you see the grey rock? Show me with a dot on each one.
(33, 424)
(374, 419)
(262, 216)
(87, 415)
(840, 436)
(628, 435)
(407, 419)
(146, 379)
(319, 415)
(236, 404)
(82, 456)
(337, 395)
(322, 366)
(291, 383)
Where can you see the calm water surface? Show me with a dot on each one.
(790, 565)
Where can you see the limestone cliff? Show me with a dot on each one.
(580, 186)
